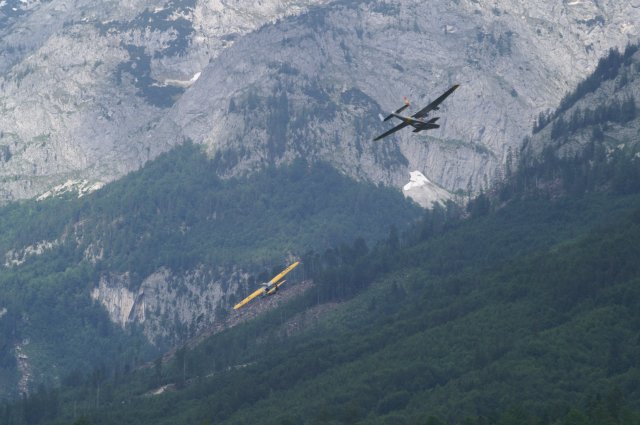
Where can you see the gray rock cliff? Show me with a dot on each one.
(312, 85)
(92, 91)
(81, 83)
(612, 129)
(169, 307)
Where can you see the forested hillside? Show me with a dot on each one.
(521, 308)
(529, 311)
(176, 212)
(176, 215)
(590, 143)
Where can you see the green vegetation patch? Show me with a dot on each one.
(529, 311)
(174, 213)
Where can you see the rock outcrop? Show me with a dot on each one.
(169, 307)
(92, 91)
(82, 83)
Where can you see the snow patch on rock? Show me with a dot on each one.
(182, 83)
(424, 192)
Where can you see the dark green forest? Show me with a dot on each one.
(521, 308)
(602, 163)
(177, 212)
(524, 315)
(523, 312)
(174, 213)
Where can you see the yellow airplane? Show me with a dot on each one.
(268, 288)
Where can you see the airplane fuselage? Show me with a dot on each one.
(268, 288)
(418, 120)
(417, 123)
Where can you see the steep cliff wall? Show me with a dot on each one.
(169, 307)
(313, 85)
(82, 82)
(87, 89)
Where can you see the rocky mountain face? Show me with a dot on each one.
(169, 307)
(92, 91)
(81, 82)
(603, 110)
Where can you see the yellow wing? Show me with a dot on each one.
(261, 291)
(242, 303)
(283, 273)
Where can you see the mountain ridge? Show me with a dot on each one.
(108, 113)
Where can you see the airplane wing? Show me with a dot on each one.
(261, 291)
(244, 302)
(393, 130)
(283, 273)
(433, 105)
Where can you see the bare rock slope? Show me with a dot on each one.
(81, 83)
(92, 91)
